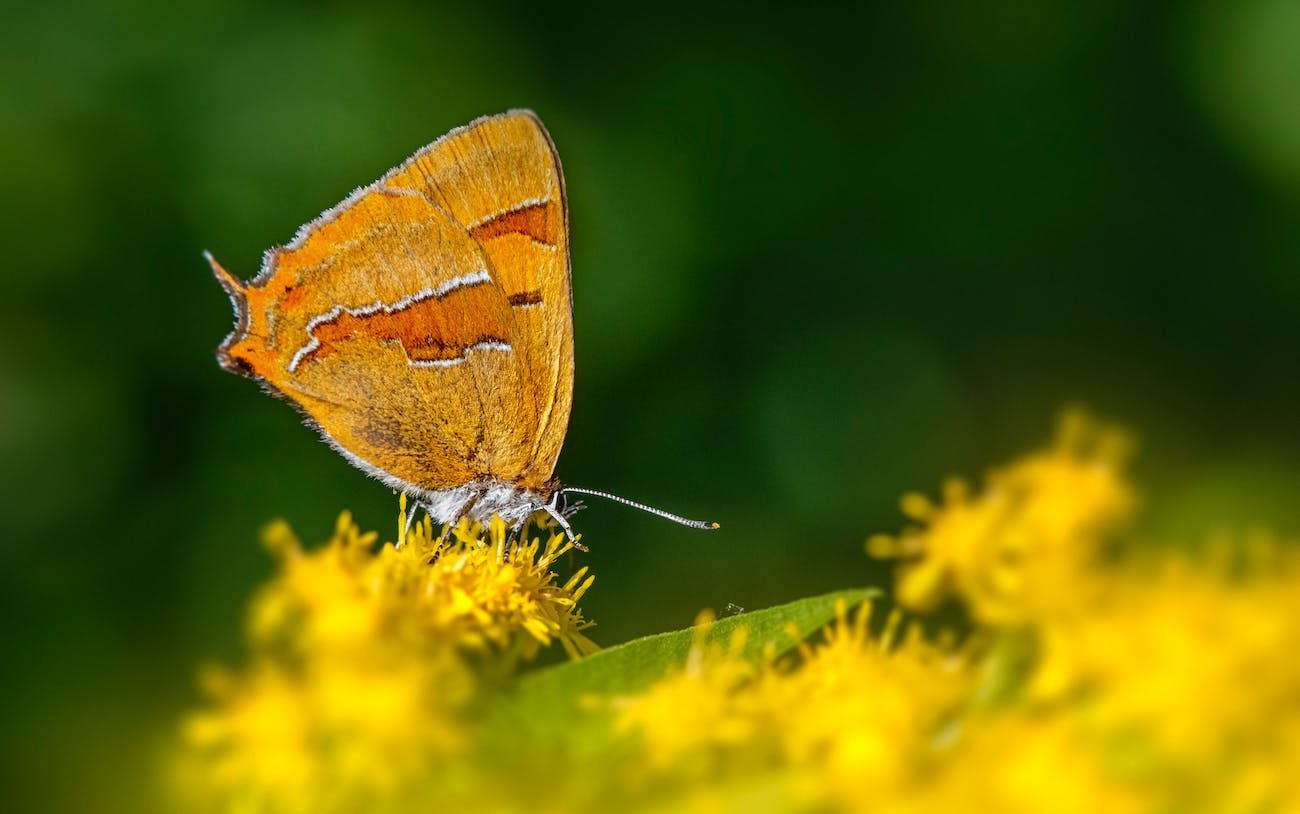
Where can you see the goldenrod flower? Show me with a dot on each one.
(365, 658)
(1186, 668)
(851, 715)
(1025, 761)
(468, 594)
(1129, 683)
(379, 678)
(692, 709)
(1012, 550)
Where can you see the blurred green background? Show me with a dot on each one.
(819, 258)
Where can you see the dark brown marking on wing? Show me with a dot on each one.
(533, 297)
(539, 221)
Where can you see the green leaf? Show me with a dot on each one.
(631, 667)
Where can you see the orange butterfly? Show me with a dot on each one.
(425, 325)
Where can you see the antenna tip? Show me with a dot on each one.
(714, 526)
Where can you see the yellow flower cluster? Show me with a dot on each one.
(1135, 682)
(1183, 669)
(364, 659)
(1084, 675)
(852, 714)
(1012, 551)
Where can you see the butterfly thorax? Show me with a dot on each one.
(481, 499)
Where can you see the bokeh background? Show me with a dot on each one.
(820, 257)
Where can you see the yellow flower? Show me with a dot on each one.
(1025, 761)
(1012, 551)
(862, 717)
(365, 660)
(378, 679)
(324, 737)
(1184, 669)
(853, 718)
(467, 594)
(1131, 683)
(692, 710)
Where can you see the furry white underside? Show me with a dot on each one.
(479, 501)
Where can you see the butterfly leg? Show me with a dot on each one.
(570, 509)
(442, 541)
(451, 526)
(512, 539)
(446, 533)
(558, 517)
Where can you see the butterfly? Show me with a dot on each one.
(424, 326)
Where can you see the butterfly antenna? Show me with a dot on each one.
(695, 524)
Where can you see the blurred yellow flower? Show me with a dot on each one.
(1012, 551)
(852, 712)
(693, 709)
(1185, 668)
(1146, 680)
(1025, 761)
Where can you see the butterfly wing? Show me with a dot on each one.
(500, 178)
(409, 342)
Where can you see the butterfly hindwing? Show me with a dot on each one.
(500, 178)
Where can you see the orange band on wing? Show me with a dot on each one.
(432, 329)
